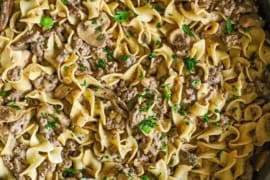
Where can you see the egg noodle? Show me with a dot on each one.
(133, 89)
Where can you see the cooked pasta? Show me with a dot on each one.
(133, 89)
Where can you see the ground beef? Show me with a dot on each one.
(15, 74)
(114, 121)
(188, 158)
(62, 91)
(5, 12)
(45, 168)
(189, 95)
(14, 96)
(5, 114)
(214, 76)
(181, 44)
(80, 46)
(21, 124)
(17, 162)
(47, 82)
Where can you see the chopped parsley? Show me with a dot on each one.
(217, 111)
(145, 177)
(175, 107)
(234, 109)
(101, 63)
(53, 123)
(69, 172)
(121, 16)
(187, 30)
(158, 43)
(94, 21)
(147, 124)
(206, 118)
(234, 88)
(99, 28)
(14, 105)
(142, 75)
(164, 141)
(125, 58)
(174, 56)
(158, 8)
(46, 22)
(4, 93)
(147, 106)
(101, 37)
(146, 95)
(182, 110)
(229, 26)
(234, 97)
(82, 67)
(109, 53)
(152, 55)
(64, 2)
(195, 82)
(190, 64)
(158, 25)
(84, 84)
(167, 95)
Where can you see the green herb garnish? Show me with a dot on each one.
(46, 22)
(174, 56)
(206, 118)
(14, 105)
(64, 2)
(94, 21)
(53, 123)
(175, 107)
(158, 43)
(145, 177)
(229, 26)
(158, 8)
(146, 107)
(152, 55)
(234, 88)
(167, 95)
(190, 64)
(101, 63)
(217, 111)
(158, 25)
(195, 82)
(84, 84)
(125, 58)
(121, 16)
(4, 93)
(234, 97)
(148, 124)
(82, 67)
(187, 30)
(142, 75)
(99, 28)
(69, 172)
(101, 37)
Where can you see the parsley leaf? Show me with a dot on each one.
(101, 63)
(229, 26)
(190, 64)
(145, 177)
(46, 22)
(101, 37)
(148, 124)
(82, 67)
(64, 2)
(152, 55)
(99, 29)
(69, 172)
(217, 111)
(158, 8)
(187, 30)
(206, 118)
(14, 105)
(146, 107)
(167, 95)
(84, 84)
(53, 123)
(121, 16)
(4, 93)
(195, 82)
(125, 57)
(158, 25)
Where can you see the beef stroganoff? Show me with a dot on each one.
(133, 89)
